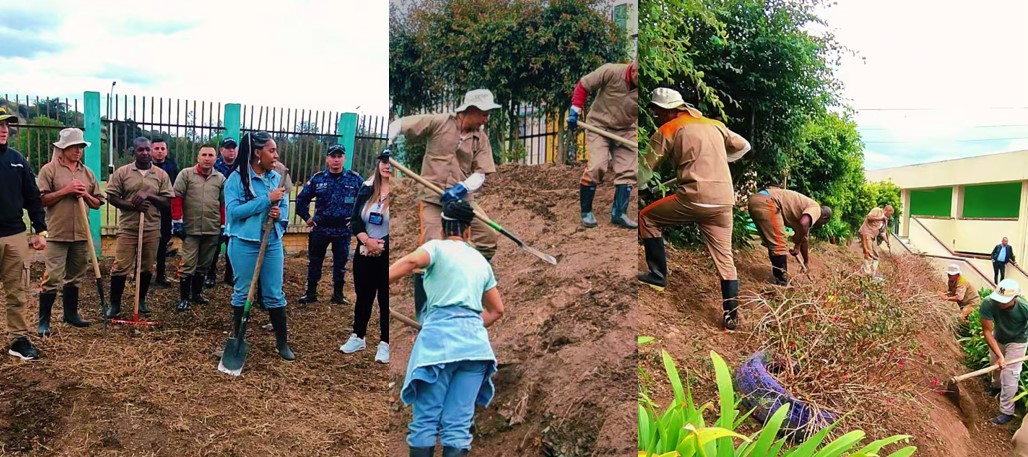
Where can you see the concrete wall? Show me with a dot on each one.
(1009, 166)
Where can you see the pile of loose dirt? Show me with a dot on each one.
(158, 391)
(568, 332)
(686, 321)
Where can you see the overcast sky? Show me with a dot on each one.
(309, 54)
(953, 63)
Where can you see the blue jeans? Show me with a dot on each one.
(444, 408)
(243, 255)
(317, 245)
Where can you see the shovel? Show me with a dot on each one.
(803, 266)
(139, 268)
(482, 217)
(953, 386)
(234, 354)
(608, 135)
(96, 263)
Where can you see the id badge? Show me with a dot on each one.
(375, 218)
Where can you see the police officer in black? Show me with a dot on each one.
(225, 165)
(162, 160)
(335, 191)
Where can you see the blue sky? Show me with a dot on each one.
(934, 80)
(311, 54)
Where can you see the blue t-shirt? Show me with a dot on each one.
(457, 275)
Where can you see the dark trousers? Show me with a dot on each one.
(317, 245)
(999, 271)
(371, 279)
(162, 246)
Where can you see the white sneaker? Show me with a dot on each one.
(353, 344)
(382, 356)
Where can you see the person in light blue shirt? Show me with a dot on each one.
(452, 363)
(253, 195)
(1001, 254)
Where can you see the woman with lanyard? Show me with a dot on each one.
(370, 224)
(252, 195)
(452, 363)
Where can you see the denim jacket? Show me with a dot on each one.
(245, 219)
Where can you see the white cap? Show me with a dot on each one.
(479, 98)
(953, 269)
(1006, 291)
(671, 99)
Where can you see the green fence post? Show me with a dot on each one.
(231, 121)
(347, 130)
(91, 127)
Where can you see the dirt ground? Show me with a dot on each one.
(685, 319)
(568, 333)
(158, 392)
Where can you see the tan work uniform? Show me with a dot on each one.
(874, 223)
(779, 209)
(202, 200)
(125, 183)
(450, 159)
(67, 255)
(616, 110)
(699, 148)
(963, 289)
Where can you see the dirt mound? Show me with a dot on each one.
(568, 333)
(158, 391)
(895, 394)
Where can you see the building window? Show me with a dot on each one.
(931, 202)
(999, 201)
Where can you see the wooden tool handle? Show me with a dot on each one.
(608, 135)
(989, 369)
(406, 320)
(89, 237)
(139, 263)
(433, 187)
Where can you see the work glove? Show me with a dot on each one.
(178, 228)
(223, 235)
(573, 117)
(454, 193)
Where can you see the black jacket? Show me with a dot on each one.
(171, 168)
(1010, 253)
(18, 193)
(357, 224)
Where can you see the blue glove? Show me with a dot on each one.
(572, 119)
(454, 193)
(222, 235)
(178, 229)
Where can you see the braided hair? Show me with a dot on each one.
(249, 145)
(457, 217)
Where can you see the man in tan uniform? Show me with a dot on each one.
(700, 150)
(62, 182)
(135, 188)
(875, 224)
(959, 291)
(616, 110)
(197, 212)
(458, 157)
(773, 210)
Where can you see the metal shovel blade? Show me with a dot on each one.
(233, 357)
(540, 254)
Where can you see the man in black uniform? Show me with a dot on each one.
(161, 159)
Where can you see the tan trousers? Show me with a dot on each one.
(66, 263)
(13, 253)
(1020, 441)
(1007, 378)
(768, 218)
(483, 237)
(197, 253)
(715, 225)
(125, 253)
(603, 151)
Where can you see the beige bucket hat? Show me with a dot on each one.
(479, 98)
(71, 137)
(671, 99)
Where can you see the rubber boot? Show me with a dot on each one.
(730, 304)
(278, 320)
(656, 259)
(337, 295)
(184, 288)
(197, 293)
(117, 289)
(144, 286)
(455, 451)
(420, 297)
(422, 451)
(161, 277)
(779, 266)
(312, 294)
(70, 299)
(229, 278)
(585, 195)
(619, 210)
(46, 305)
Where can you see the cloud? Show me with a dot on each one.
(153, 26)
(27, 21)
(12, 45)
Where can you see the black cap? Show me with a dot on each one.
(7, 118)
(335, 149)
(385, 155)
(228, 143)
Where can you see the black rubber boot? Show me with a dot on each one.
(229, 279)
(237, 319)
(619, 210)
(419, 295)
(196, 281)
(161, 277)
(278, 321)
(585, 196)
(144, 286)
(117, 289)
(656, 259)
(422, 451)
(455, 452)
(337, 295)
(779, 266)
(729, 292)
(46, 305)
(70, 299)
(312, 294)
(184, 288)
